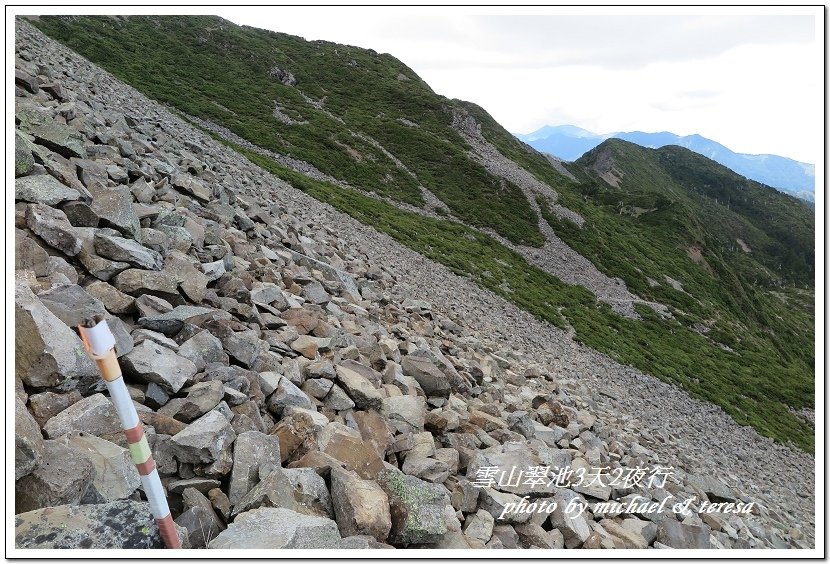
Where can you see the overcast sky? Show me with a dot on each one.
(750, 81)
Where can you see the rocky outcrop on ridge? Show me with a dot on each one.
(306, 382)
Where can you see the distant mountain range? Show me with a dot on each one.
(569, 142)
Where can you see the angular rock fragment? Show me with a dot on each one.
(23, 159)
(190, 279)
(53, 227)
(572, 524)
(114, 477)
(114, 300)
(201, 398)
(28, 442)
(43, 189)
(28, 255)
(62, 478)
(171, 322)
(202, 349)
(352, 451)
(276, 528)
(360, 506)
(287, 394)
(192, 186)
(94, 415)
(56, 137)
(501, 505)
(114, 207)
(426, 468)
(135, 282)
(127, 250)
(151, 362)
(679, 535)
(201, 525)
(358, 388)
(429, 376)
(338, 400)
(274, 490)
(204, 439)
(72, 304)
(310, 491)
(409, 410)
(251, 451)
(46, 405)
(417, 508)
(479, 525)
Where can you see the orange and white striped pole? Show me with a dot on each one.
(100, 344)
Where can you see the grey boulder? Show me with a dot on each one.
(43, 189)
(151, 362)
(276, 528)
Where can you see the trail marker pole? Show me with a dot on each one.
(100, 344)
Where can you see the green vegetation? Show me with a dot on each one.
(748, 387)
(742, 327)
(215, 70)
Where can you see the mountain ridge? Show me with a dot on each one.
(793, 177)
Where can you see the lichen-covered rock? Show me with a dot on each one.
(57, 137)
(24, 161)
(118, 524)
(416, 506)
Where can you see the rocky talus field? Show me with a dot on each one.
(307, 382)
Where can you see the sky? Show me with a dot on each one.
(748, 79)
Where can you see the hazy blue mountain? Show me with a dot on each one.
(570, 142)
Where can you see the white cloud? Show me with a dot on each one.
(748, 80)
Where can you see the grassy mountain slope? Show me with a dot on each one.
(213, 69)
(742, 328)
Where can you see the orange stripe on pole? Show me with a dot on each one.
(108, 365)
(168, 532)
(134, 435)
(146, 467)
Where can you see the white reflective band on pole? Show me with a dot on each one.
(100, 338)
(155, 494)
(120, 397)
